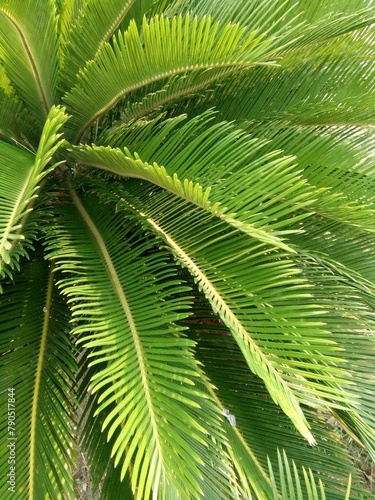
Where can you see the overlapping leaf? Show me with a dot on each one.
(164, 425)
(37, 361)
(241, 280)
(247, 197)
(259, 427)
(93, 26)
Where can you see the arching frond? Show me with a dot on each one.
(325, 90)
(219, 260)
(67, 13)
(259, 427)
(142, 57)
(20, 175)
(316, 22)
(28, 35)
(245, 198)
(292, 481)
(37, 363)
(318, 41)
(163, 426)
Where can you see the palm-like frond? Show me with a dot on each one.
(146, 364)
(20, 175)
(143, 57)
(37, 361)
(287, 28)
(298, 94)
(93, 26)
(202, 246)
(292, 480)
(203, 152)
(29, 52)
(16, 123)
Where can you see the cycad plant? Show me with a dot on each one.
(186, 247)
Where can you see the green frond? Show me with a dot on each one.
(338, 163)
(315, 22)
(163, 428)
(223, 261)
(288, 24)
(125, 164)
(37, 362)
(246, 198)
(20, 175)
(351, 323)
(147, 55)
(28, 36)
(162, 95)
(67, 13)
(94, 25)
(292, 480)
(149, 9)
(322, 91)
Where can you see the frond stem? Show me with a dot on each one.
(39, 370)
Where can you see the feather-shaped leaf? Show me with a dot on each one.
(146, 365)
(259, 426)
(143, 57)
(20, 176)
(93, 26)
(223, 263)
(292, 480)
(38, 368)
(28, 35)
(245, 198)
(16, 123)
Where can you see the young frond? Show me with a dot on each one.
(20, 175)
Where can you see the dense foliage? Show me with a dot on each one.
(187, 252)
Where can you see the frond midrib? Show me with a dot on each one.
(193, 193)
(116, 23)
(36, 393)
